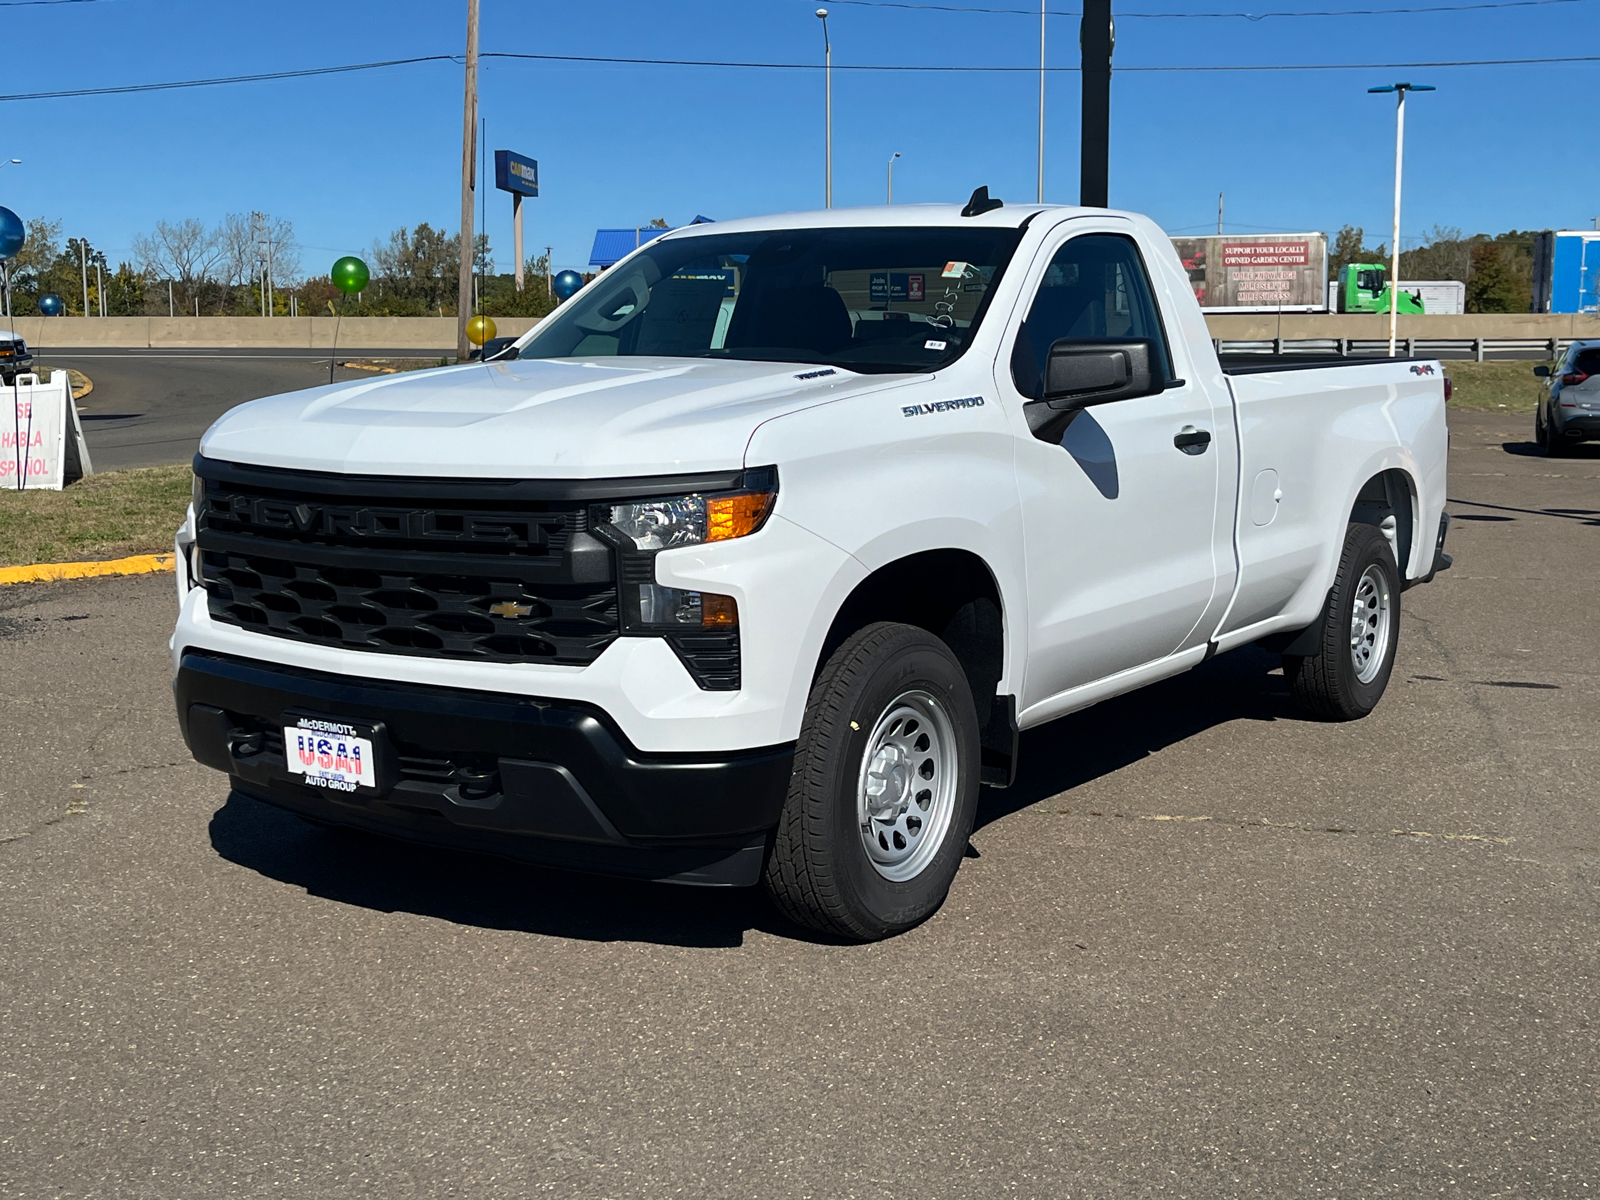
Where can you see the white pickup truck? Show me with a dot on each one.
(749, 562)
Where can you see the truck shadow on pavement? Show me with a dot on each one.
(390, 876)
(1055, 758)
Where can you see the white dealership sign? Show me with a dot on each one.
(41, 438)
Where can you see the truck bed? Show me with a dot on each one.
(1256, 364)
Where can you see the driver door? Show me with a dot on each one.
(1118, 517)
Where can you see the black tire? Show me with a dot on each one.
(1554, 445)
(819, 871)
(1541, 432)
(1329, 683)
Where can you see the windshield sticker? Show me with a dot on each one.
(954, 270)
(816, 374)
(939, 406)
(931, 344)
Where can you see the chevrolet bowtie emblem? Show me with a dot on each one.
(510, 608)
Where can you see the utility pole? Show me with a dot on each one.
(892, 157)
(1219, 214)
(99, 290)
(1097, 38)
(83, 263)
(827, 118)
(1041, 101)
(170, 311)
(469, 164)
(549, 273)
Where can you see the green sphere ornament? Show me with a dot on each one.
(350, 275)
(480, 330)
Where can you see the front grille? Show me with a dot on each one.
(405, 568)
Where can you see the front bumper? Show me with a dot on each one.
(546, 781)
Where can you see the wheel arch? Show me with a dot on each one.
(1391, 501)
(954, 595)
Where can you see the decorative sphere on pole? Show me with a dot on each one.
(51, 305)
(350, 275)
(12, 234)
(566, 284)
(480, 329)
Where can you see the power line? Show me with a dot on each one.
(1339, 12)
(126, 89)
(173, 85)
(780, 66)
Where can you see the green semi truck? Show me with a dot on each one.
(1364, 288)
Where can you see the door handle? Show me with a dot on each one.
(1192, 440)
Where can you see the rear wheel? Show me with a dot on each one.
(884, 790)
(1553, 444)
(1346, 677)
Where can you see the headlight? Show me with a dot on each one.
(691, 520)
(643, 528)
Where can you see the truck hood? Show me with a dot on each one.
(541, 418)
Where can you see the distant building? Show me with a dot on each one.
(611, 246)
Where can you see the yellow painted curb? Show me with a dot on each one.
(139, 564)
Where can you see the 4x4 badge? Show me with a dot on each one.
(510, 608)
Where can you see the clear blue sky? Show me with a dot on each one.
(348, 158)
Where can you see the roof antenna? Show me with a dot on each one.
(981, 203)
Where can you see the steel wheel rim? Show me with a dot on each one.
(906, 791)
(1371, 617)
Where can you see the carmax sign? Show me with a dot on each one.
(515, 173)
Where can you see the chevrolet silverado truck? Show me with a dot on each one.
(748, 563)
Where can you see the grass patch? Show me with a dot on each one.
(1494, 386)
(104, 516)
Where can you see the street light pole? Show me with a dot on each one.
(1399, 159)
(1041, 101)
(892, 157)
(827, 70)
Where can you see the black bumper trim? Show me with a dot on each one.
(541, 780)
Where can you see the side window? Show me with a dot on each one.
(1095, 288)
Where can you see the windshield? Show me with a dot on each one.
(870, 300)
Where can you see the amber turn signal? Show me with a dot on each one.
(718, 612)
(735, 516)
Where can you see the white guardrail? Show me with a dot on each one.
(1475, 349)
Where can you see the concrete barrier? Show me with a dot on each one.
(1253, 327)
(422, 334)
(438, 334)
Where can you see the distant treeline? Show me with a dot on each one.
(1497, 268)
(248, 260)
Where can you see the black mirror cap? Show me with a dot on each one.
(1080, 374)
(1099, 372)
(1542, 371)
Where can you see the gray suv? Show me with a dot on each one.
(1569, 410)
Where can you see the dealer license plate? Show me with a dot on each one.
(330, 754)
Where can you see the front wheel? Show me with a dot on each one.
(884, 789)
(1346, 677)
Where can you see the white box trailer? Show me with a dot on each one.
(1446, 296)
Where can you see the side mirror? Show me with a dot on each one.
(499, 349)
(1542, 372)
(1079, 374)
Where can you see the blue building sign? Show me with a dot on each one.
(516, 173)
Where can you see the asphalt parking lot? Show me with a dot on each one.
(1204, 948)
(149, 407)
